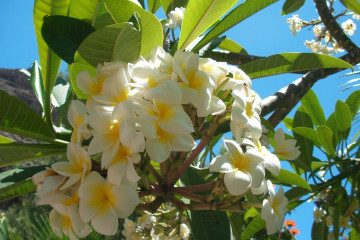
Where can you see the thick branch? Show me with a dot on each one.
(333, 27)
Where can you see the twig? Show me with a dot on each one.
(155, 174)
(189, 195)
(199, 188)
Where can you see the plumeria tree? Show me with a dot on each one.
(147, 101)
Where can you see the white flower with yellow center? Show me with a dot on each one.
(78, 166)
(175, 17)
(319, 214)
(77, 117)
(184, 231)
(168, 131)
(274, 209)
(67, 219)
(242, 170)
(285, 147)
(129, 229)
(145, 220)
(152, 84)
(238, 81)
(246, 111)
(103, 203)
(349, 27)
(196, 86)
(295, 24)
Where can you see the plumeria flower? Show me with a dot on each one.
(246, 111)
(129, 229)
(349, 27)
(274, 209)
(319, 214)
(184, 231)
(242, 170)
(145, 220)
(295, 24)
(67, 220)
(356, 17)
(77, 117)
(103, 203)
(318, 30)
(313, 45)
(285, 147)
(175, 17)
(344, 222)
(47, 181)
(77, 168)
(326, 50)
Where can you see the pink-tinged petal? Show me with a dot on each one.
(257, 173)
(71, 181)
(63, 168)
(55, 222)
(221, 164)
(233, 148)
(131, 174)
(237, 182)
(126, 199)
(182, 143)
(116, 172)
(158, 151)
(105, 221)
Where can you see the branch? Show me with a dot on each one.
(333, 27)
(231, 58)
(199, 188)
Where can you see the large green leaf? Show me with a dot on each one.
(326, 139)
(237, 15)
(115, 42)
(12, 153)
(343, 117)
(199, 16)
(230, 45)
(331, 123)
(18, 174)
(302, 119)
(319, 231)
(18, 118)
(84, 9)
(64, 35)
(296, 193)
(151, 28)
(237, 222)
(354, 234)
(103, 17)
(169, 5)
(205, 224)
(312, 106)
(353, 5)
(49, 61)
(309, 133)
(353, 101)
(292, 179)
(256, 225)
(153, 5)
(62, 95)
(16, 189)
(78, 66)
(37, 84)
(291, 6)
(291, 62)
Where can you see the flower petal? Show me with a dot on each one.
(237, 182)
(158, 151)
(221, 164)
(105, 221)
(116, 172)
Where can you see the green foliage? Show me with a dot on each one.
(319, 231)
(291, 6)
(353, 5)
(291, 62)
(312, 106)
(230, 45)
(236, 16)
(199, 16)
(326, 139)
(255, 225)
(291, 179)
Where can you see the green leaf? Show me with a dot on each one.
(16, 189)
(354, 234)
(230, 45)
(291, 6)
(237, 15)
(62, 95)
(205, 224)
(309, 133)
(153, 5)
(115, 42)
(151, 28)
(18, 174)
(5, 140)
(12, 153)
(103, 17)
(291, 62)
(289, 178)
(169, 5)
(302, 119)
(296, 193)
(250, 213)
(18, 118)
(84, 9)
(312, 106)
(237, 222)
(37, 84)
(343, 117)
(319, 231)
(353, 101)
(326, 139)
(353, 5)
(288, 122)
(255, 225)
(331, 123)
(78, 66)
(49, 61)
(199, 16)
(64, 35)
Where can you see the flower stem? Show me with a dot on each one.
(155, 174)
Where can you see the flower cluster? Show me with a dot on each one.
(147, 111)
(323, 42)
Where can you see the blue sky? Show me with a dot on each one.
(263, 34)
